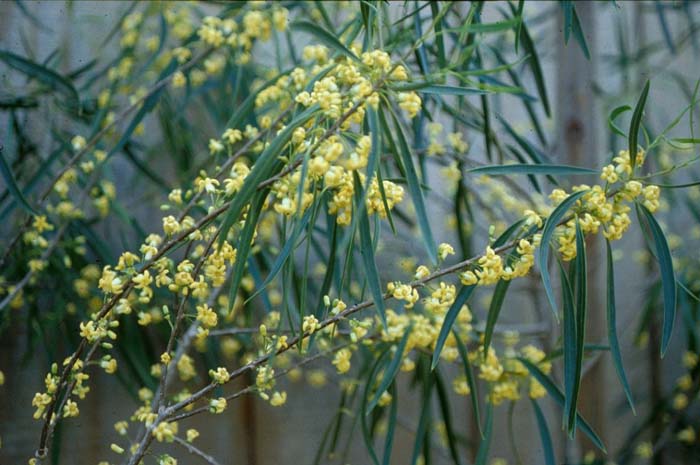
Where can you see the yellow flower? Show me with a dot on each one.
(165, 431)
(206, 316)
(421, 272)
(609, 174)
(192, 434)
(444, 250)
(220, 375)
(690, 360)
(115, 448)
(310, 324)
(404, 292)
(70, 409)
(179, 80)
(410, 102)
(644, 450)
(461, 386)
(342, 360)
(217, 405)
(278, 399)
(41, 224)
(687, 435)
(110, 283)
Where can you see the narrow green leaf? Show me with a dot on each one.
(545, 436)
(483, 452)
(660, 7)
(519, 168)
(282, 256)
(146, 107)
(635, 123)
(409, 15)
(367, 252)
(536, 68)
(668, 278)
(391, 424)
(569, 341)
(547, 232)
(451, 90)
(535, 154)
(499, 295)
(462, 296)
(439, 39)
(568, 7)
(41, 73)
(366, 434)
(445, 409)
(612, 329)
(506, 235)
(474, 396)
(262, 168)
(678, 186)
(613, 115)
(12, 186)
(244, 244)
(581, 293)
(577, 30)
(556, 394)
(519, 16)
(415, 192)
(325, 37)
(376, 148)
(424, 421)
(556, 353)
(391, 370)
(497, 26)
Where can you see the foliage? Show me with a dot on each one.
(286, 175)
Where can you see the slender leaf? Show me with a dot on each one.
(244, 245)
(41, 73)
(668, 278)
(547, 232)
(367, 252)
(498, 26)
(445, 408)
(484, 445)
(289, 245)
(612, 329)
(678, 186)
(323, 36)
(499, 295)
(613, 115)
(366, 434)
(451, 90)
(422, 436)
(506, 235)
(12, 186)
(391, 424)
(577, 30)
(474, 397)
(545, 436)
(556, 394)
(391, 370)
(462, 296)
(500, 170)
(581, 293)
(529, 47)
(569, 341)
(262, 168)
(415, 192)
(635, 123)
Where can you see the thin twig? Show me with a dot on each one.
(195, 451)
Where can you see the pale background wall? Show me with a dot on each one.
(252, 432)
